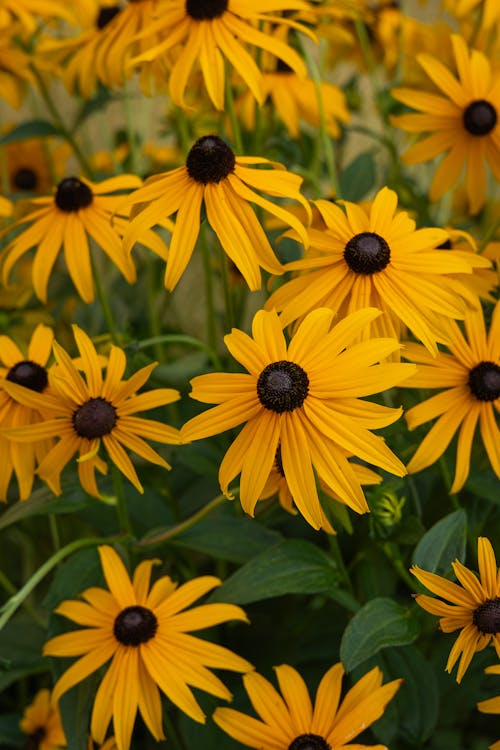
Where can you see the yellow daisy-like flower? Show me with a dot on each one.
(491, 705)
(145, 632)
(85, 412)
(372, 256)
(15, 71)
(276, 484)
(222, 182)
(463, 123)
(474, 608)
(290, 721)
(42, 723)
(78, 210)
(207, 31)
(28, 372)
(470, 373)
(27, 12)
(306, 398)
(6, 207)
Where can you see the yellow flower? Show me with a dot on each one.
(207, 31)
(42, 723)
(145, 632)
(276, 484)
(6, 207)
(372, 257)
(306, 398)
(470, 373)
(463, 123)
(290, 721)
(27, 12)
(491, 705)
(474, 608)
(29, 373)
(85, 412)
(79, 209)
(15, 72)
(489, 9)
(222, 182)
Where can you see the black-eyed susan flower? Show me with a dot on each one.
(41, 722)
(32, 163)
(306, 398)
(470, 375)
(463, 9)
(225, 185)
(29, 372)
(463, 123)
(6, 207)
(27, 13)
(204, 32)
(474, 608)
(491, 705)
(15, 72)
(145, 631)
(78, 211)
(290, 720)
(85, 412)
(372, 257)
(276, 484)
(295, 99)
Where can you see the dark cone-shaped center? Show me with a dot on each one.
(480, 117)
(210, 160)
(73, 194)
(95, 418)
(29, 374)
(34, 739)
(367, 253)
(106, 15)
(135, 625)
(486, 617)
(484, 381)
(282, 386)
(309, 742)
(25, 179)
(205, 10)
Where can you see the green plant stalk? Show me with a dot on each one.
(178, 338)
(209, 291)
(339, 560)
(226, 288)
(11, 591)
(125, 525)
(135, 160)
(103, 301)
(184, 525)
(59, 123)
(233, 119)
(326, 141)
(15, 601)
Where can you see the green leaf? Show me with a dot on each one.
(21, 650)
(30, 129)
(10, 734)
(43, 502)
(226, 538)
(358, 178)
(76, 707)
(443, 543)
(378, 624)
(291, 567)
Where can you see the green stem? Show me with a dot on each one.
(326, 141)
(226, 288)
(101, 296)
(121, 502)
(398, 566)
(337, 556)
(178, 338)
(489, 235)
(131, 131)
(152, 297)
(235, 124)
(209, 291)
(11, 591)
(171, 733)
(54, 532)
(448, 481)
(59, 123)
(165, 536)
(15, 601)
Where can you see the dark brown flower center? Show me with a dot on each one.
(205, 10)
(480, 117)
(25, 179)
(309, 742)
(367, 253)
(95, 418)
(484, 381)
(73, 194)
(135, 625)
(29, 374)
(282, 386)
(106, 15)
(486, 617)
(35, 738)
(210, 160)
